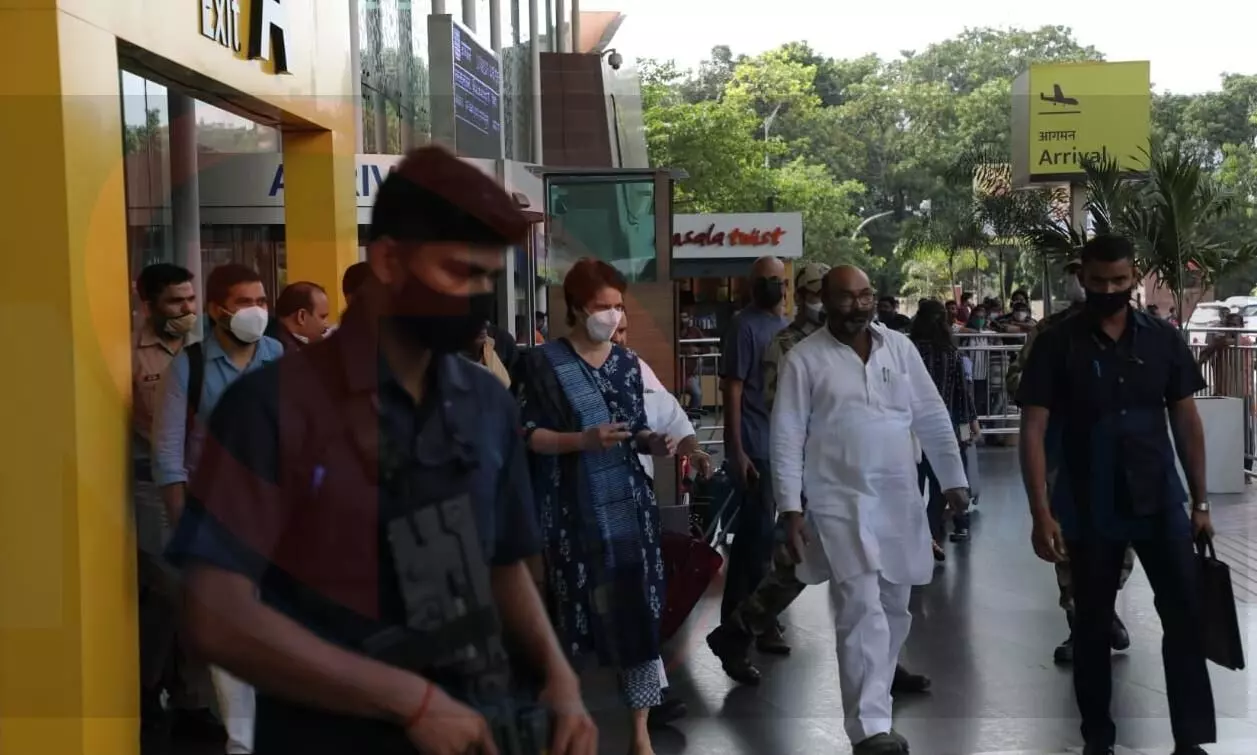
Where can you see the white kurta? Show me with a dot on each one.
(663, 413)
(843, 431)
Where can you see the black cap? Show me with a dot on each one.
(433, 196)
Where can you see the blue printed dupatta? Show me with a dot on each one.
(604, 562)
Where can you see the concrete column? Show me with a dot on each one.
(560, 25)
(185, 189)
(355, 52)
(576, 26)
(438, 7)
(68, 602)
(495, 27)
(538, 28)
(469, 14)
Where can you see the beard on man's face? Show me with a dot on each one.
(850, 322)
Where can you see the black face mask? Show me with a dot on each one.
(439, 322)
(768, 292)
(1106, 304)
(848, 323)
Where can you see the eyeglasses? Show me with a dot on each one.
(848, 298)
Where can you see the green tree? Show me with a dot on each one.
(140, 137)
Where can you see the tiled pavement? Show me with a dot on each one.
(984, 630)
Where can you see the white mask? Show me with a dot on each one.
(602, 325)
(1074, 290)
(249, 323)
(813, 310)
(1019, 315)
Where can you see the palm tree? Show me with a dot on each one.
(1175, 222)
(957, 233)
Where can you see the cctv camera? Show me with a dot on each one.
(615, 60)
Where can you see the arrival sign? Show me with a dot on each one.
(1066, 114)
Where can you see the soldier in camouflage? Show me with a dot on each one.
(756, 617)
(1064, 652)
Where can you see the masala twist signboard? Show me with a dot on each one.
(1065, 114)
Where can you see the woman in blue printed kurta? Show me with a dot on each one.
(585, 419)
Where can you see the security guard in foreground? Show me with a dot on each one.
(356, 535)
(1110, 376)
(1076, 295)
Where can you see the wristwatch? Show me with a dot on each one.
(1201, 506)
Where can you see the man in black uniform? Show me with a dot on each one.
(1106, 377)
(356, 535)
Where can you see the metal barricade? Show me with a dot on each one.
(1228, 362)
(989, 356)
(699, 389)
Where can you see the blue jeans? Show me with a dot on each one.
(753, 539)
(694, 389)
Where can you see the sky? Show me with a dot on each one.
(1188, 51)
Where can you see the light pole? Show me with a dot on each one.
(922, 211)
(768, 125)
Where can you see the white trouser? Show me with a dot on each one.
(871, 622)
(236, 708)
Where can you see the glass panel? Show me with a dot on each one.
(611, 218)
(517, 102)
(220, 131)
(146, 143)
(394, 64)
(260, 247)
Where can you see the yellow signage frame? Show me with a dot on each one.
(1067, 113)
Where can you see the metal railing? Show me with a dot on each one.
(1229, 368)
(990, 355)
(699, 391)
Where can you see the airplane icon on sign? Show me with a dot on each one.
(1058, 97)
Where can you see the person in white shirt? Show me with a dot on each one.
(849, 399)
(665, 414)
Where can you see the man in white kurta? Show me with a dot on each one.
(849, 399)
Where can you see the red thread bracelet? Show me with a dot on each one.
(423, 708)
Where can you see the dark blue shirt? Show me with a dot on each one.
(1108, 430)
(312, 464)
(742, 357)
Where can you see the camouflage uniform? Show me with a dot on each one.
(1013, 378)
(758, 613)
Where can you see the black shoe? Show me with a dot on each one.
(908, 683)
(1097, 750)
(196, 726)
(960, 535)
(772, 643)
(671, 709)
(1064, 653)
(1119, 638)
(901, 739)
(940, 555)
(880, 744)
(732, 649)
(154, 720)
(1190, 750)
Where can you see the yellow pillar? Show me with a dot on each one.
(68, 636)
(320, 209)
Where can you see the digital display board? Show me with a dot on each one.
(466, 82)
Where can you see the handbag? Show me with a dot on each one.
(691, 562)
(1221, 626)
